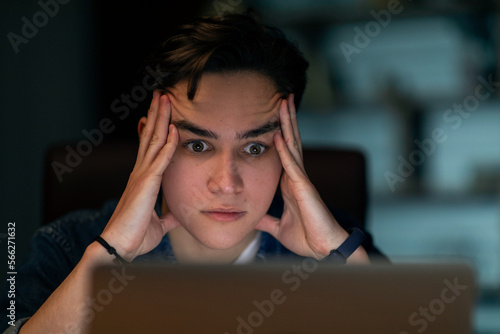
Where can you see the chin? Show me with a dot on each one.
(221, 236)
(220, 242)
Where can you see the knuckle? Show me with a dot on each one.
(144, 135)
(154, 139)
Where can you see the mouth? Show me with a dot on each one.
(224, 215)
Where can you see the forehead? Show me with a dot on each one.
(239, 100)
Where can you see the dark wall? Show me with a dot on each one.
(125, 33)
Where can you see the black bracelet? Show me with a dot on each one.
(348, 247)
(110, 249)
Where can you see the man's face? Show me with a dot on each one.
(225, 170)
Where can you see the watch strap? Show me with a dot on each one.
(340, 255)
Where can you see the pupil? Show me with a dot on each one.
(198, 147)
(255, 149)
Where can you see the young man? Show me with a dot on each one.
(221, 134)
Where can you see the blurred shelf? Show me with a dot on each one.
(321, 12)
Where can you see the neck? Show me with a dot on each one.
(188, 250)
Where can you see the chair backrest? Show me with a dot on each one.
(339, 175)
(88, 180)
(73, 181)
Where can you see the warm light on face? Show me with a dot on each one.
(226, 169)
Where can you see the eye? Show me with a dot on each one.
(197, 146)
(255, 149)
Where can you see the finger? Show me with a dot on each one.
(269, 224)
(168, 222)
(162, 119)
(147, 132)
(295, 124)
(160, 133)
(164, 156)
(288, 134)
(293, 169)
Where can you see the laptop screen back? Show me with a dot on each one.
(288, 298)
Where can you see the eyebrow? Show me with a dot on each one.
(268, 127)
(188, 126)
(253, 133)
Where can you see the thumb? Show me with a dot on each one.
(168, 222)
(269, 224)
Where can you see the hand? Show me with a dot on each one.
(134, 227)
(306, 227)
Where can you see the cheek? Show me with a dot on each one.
(263, 179)
(179, 180)
(270, 170)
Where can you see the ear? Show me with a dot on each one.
(141, 125)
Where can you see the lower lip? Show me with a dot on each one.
(224, 216)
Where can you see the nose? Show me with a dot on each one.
(225, 178)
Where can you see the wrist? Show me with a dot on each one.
(95, 255)
(348, 247)
(338, 238)
(113, 240)
(111, 250)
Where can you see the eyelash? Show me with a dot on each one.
(189, 146)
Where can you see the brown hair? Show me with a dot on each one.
(238, 42)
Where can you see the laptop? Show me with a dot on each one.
(284, 298)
